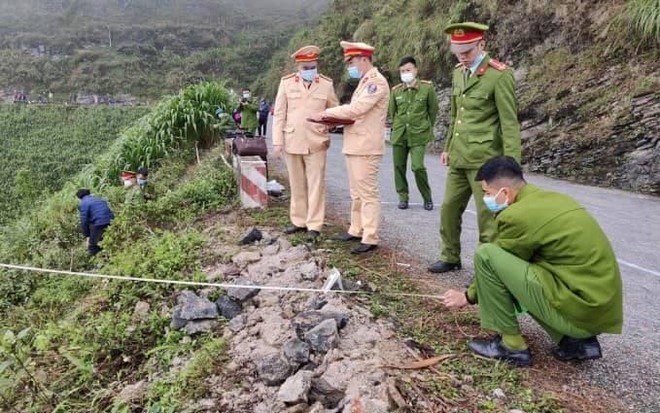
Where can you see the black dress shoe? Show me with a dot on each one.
(578, 349)
(294, 229)
(494, 349)
(441, 266)
(403, 205)
(313, 235)
(428, 205)
(363, 248)
(345, 237)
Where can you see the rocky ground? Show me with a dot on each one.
(292, 351)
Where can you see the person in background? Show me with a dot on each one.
(413, 110)
(95, 217)
(264, 112)
(549, 257)
(248, 108)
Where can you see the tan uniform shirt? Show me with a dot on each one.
(368, 108)
(295, 102)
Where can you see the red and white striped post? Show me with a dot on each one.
(252, 181)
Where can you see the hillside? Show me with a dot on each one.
(588, 74)
(143, 48)
(31, 169)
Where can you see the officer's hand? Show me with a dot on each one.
(444, 159)
(277, 151)
(87, 241)
(317, 117)
(454, 299)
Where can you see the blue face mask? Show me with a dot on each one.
(492, 205)
(354, 72)
(308, 75)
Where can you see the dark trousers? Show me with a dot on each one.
(263, 126)
(95, 236)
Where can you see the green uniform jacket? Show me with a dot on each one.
(413, 111)
(249, 116)
(570, 254)
(484, 116)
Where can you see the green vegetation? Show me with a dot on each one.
(645, 17)
(42, 147)
(144, 48)
(73, 341)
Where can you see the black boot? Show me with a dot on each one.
(363, 248)
(345, 237)
(403, 205)
(578, 349)
(441, 266)
(294, 229)
(494, 349)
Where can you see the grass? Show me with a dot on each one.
(645, 17)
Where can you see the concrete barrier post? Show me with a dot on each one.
(252, 182)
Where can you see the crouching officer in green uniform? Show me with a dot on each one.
(413, 110)
(483, 124)
(550, 257)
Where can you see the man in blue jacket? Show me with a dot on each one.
(95, 216)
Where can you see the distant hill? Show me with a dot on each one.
(143, 48)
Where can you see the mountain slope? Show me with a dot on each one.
(140, 47)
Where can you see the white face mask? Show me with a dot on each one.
(246, 96)
(408, 77)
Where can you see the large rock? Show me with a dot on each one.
(193, 307)
(228, 308)
(309, 271)
(323, 337)
(251, 236)
(273, 369)
(133, 392)
(242, 259)
(200, 326)
(141, 311)
(296, 350)
(295, 254)
(310, 319)
(242, 294)
(295, 388)
(237, 323)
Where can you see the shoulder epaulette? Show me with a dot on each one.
(497, 64)
(288, 76)
(426, 82)
(397, 87)
(324, 77)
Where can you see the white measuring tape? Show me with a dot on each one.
(335, 278)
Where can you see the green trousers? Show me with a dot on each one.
(459, 188)
(400, 153)
(502, 279)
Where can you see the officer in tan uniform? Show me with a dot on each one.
(304, 143)
(364, 143)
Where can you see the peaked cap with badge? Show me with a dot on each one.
(465, 36)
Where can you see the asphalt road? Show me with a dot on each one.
(630, 369)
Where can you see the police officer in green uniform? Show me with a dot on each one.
(549, 257)
(483, 124)
(249, 107)
(413, 110)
